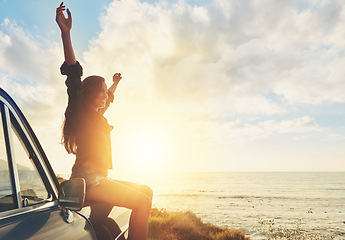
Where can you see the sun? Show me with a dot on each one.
(148, 149)
(146, 146)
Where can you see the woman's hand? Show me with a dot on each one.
(116, 78)
(65, 24)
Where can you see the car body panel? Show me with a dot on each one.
(45, 222)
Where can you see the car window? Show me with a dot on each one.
(32, 188)
(6, 193)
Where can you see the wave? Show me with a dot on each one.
(195, 195)
(335, 189)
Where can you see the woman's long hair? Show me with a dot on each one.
(90, 88)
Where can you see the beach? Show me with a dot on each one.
(303, 205)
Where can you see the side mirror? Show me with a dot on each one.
(72, 194)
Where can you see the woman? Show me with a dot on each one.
(86, 133)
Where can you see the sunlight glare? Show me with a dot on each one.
(147, 149)
(147, 145)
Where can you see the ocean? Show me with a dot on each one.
(264, 205)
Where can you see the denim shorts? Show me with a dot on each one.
(92, 176)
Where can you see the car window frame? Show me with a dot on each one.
(31, 154)
(11, 114)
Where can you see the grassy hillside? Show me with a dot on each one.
(165, 225)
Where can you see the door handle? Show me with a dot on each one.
(25, 202)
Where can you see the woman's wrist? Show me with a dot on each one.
(66, 33)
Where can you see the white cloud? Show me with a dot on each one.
(207, 65)
(201, 65)
(29, 70)
(19, 51)
(298, 125)
(240, 132)
(225, 56)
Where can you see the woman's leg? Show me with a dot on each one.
(140, 187)
(124, 194)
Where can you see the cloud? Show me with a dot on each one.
(240, 132)
(225, 57)
(28, 71)
(203, 66)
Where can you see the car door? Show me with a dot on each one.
(28, 186)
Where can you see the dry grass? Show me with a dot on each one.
(166, 225)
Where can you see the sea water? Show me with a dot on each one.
(273, 205)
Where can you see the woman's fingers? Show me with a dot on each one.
(60, 8)
(117, 77)
(69, 13)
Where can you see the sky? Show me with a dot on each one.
(209, 85)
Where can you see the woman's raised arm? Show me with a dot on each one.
(116, 79)
(65, 25)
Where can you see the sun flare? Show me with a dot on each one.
(147, 145)
(147, 149)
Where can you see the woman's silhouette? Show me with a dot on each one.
(86, 133)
